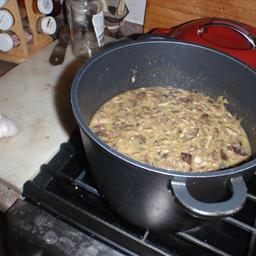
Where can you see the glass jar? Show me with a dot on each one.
(86, 21)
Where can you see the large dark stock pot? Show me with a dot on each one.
(150, 197)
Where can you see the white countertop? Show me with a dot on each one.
(36, 95)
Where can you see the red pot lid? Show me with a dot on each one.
(232, 37)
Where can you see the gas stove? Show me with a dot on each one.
(63, 214)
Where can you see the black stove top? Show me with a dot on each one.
(66, 189)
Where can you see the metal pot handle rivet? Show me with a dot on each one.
(217, 209)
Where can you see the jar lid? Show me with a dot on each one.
(2, 3)
(6, 42)
(6, 20)
(45, 6)
(48, 25)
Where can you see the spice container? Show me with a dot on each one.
(2, 3)
(25, 21)
(86, 21)
(43, 6)
(8, 41)
(47, 25)
(6, 20)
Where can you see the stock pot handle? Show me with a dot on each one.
(217, 209)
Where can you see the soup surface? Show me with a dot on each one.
(172, 129)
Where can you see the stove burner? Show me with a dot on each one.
(65, 188)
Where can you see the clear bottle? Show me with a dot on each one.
(86, 21)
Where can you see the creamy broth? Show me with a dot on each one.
(172, 129)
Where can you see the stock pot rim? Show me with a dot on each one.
(233, 171)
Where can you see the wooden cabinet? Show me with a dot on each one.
(168, 13)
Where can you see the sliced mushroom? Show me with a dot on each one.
(141, 139)
(223, 155)
(187, 100)
(215, 156)
(121, 123)
(237, 148)
(232, 132)
(190, 134)
(204, 118)
(186, 157)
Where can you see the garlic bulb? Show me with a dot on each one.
(7, 127)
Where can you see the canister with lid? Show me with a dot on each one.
(2, 3)
(47, 25)
(43, 6)
(8, 41)
(6, 20)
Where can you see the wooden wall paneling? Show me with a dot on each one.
(168, 13)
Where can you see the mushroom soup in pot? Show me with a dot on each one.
(172, 128)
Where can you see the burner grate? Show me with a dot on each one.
(65, 189)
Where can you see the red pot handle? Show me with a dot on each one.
(211, 210)
(231, 25)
